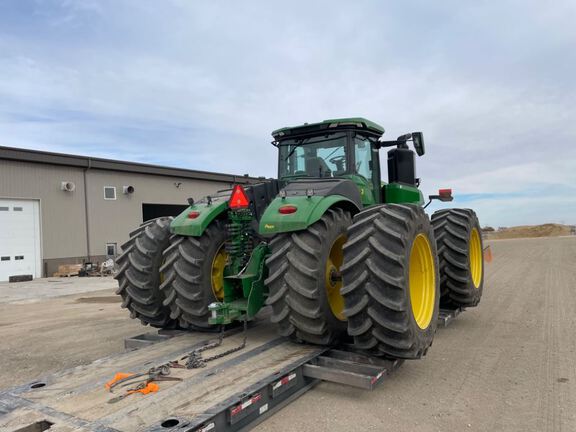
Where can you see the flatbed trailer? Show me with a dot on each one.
(232, 393)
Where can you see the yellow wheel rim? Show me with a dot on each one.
(333, 279)
(475, 258)
(218, 266)
(422, 281)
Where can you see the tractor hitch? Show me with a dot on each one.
(224, 313)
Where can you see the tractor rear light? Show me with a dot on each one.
(193, 215)
(444, 195)
(445, 192)
(238, 199)
(287, 209)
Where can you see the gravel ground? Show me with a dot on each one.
(508, 365)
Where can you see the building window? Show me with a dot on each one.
(5, 258)
(109, 193)
(110, 249)
(19, 257)
(17, 209)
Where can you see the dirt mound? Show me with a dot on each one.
(545, 230)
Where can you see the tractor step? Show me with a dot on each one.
(350, 368)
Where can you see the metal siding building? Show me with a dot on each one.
(76, 226)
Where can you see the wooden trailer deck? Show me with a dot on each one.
(229, 394)
(77, 399)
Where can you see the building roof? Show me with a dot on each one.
(357, 122)
(87, 162)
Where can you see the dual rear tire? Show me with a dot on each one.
(391, 281)
(460, 252)
(304, 280)
(193, 273)
(139, 275)
(400, 268)
(168, 281)
(375, 276)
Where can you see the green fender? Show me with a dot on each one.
(396, 193)
(309, 210)
(185, 226)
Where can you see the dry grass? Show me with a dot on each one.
(546, 230)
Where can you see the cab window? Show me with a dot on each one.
(323, 156)
(363, 157)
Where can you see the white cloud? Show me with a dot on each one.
(207, 81)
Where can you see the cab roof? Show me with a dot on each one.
(341, 123)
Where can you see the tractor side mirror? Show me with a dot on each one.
(418, 141)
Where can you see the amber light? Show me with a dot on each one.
(445, 192)
(193, 215)
(288, 209)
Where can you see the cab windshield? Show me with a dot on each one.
(319, 156)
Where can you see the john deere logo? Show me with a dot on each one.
(268, 226)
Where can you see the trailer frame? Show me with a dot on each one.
(240, 411)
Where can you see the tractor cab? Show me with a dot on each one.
(348, 149)
(339, 148)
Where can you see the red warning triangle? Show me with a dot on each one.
(238, 199)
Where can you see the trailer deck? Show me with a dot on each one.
(231, 393)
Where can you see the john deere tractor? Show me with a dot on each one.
(335, 252)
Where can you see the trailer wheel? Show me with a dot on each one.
(194, 275)
(139, 276)
(304, 280)
(460, 253)
(390, 275)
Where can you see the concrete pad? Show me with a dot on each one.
(44, 288)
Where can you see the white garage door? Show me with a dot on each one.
(19, 238)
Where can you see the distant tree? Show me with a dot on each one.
(488, 229)
(502, 228)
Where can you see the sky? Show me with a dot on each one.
(201, 84)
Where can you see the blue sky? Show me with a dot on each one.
(200, 84)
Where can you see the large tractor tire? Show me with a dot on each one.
(139, 276)
(460, 253)
(391, 282)
(304, 280)
(194, 275)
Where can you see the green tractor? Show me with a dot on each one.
(337, 253)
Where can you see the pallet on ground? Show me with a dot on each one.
(67, 270)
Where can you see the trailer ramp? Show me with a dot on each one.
(232, 393)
